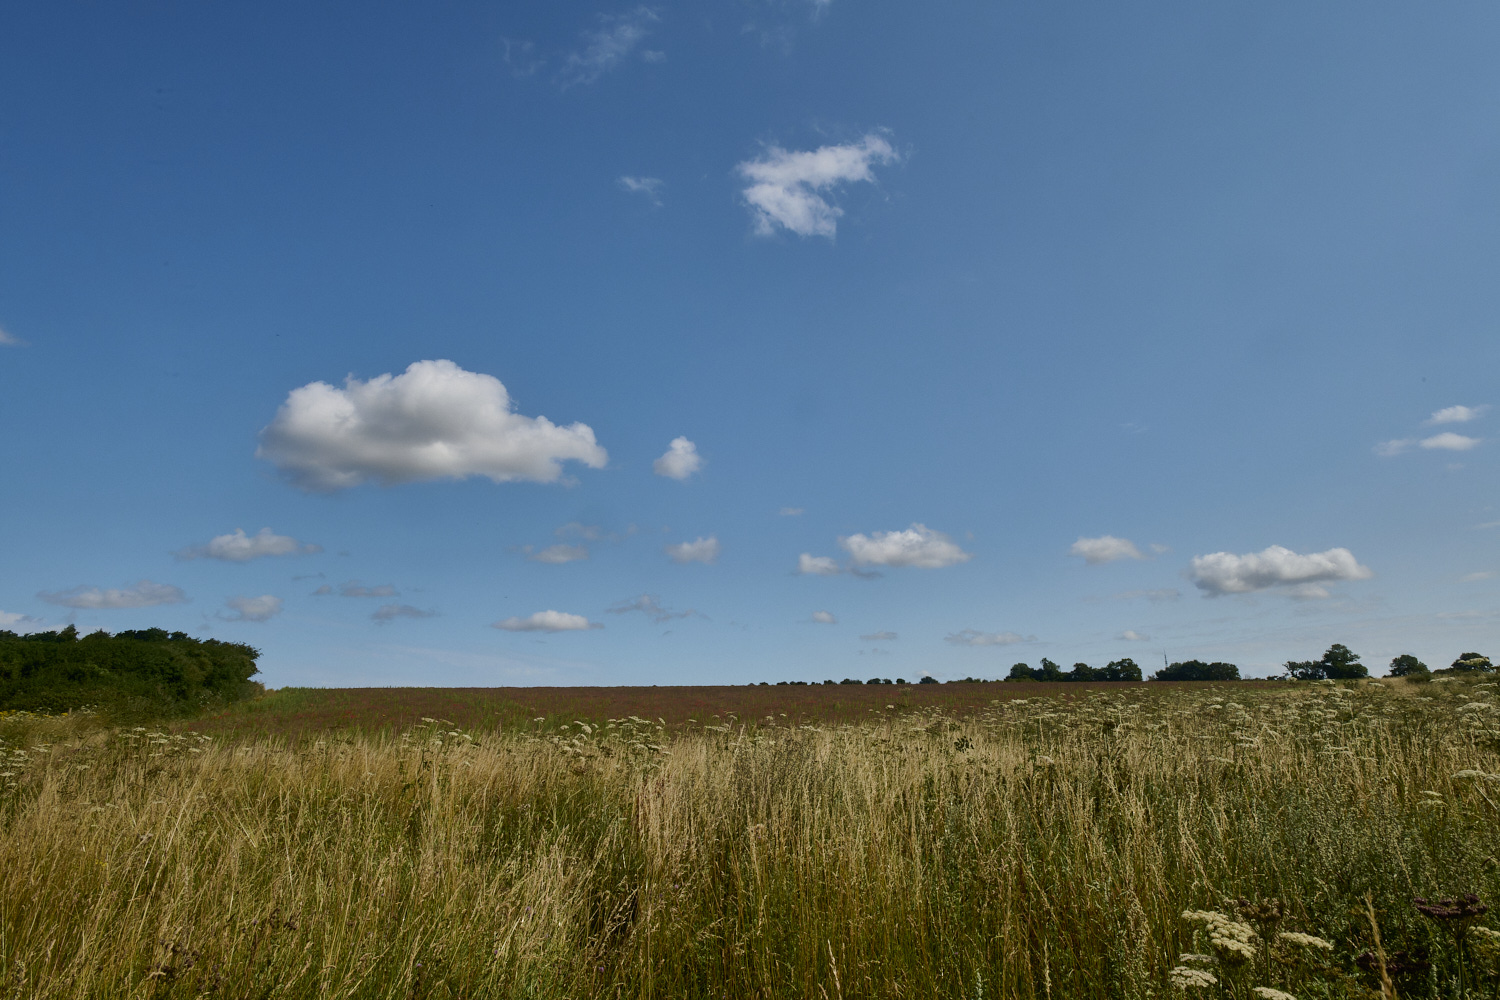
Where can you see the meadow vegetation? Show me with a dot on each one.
(1110, 840)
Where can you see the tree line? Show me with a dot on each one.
(146, 671)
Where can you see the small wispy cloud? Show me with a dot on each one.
(608, 45)
(521, 57)
(786, 189)
(647, 187)
(650, 606)
(8, 339)
(353, 588)
(974, 637)
(252, 609)
(811, 565)
(9, 618)
(700, 550)
(556, 555)
(792, 511)
(824, 618)
(1131, 635)
(880, 637)
(1104, 549)
(1458, 414)
(1154, 596)
(240, 547)
(1449, 441)
(390, 612)
(547, 621)
(144, 594)
(1476, 577)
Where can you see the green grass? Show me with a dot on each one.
(1040, 846)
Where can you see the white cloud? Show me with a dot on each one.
(1457, 414)
(811, 565)
(680, 461)
(9, 618)
(143, 595)
(1449, 441)
(436, 421)
(1476, 577)
(704, 550)
(792, 511)
(1390, 449)
(588, 532)
(547, 621)
(252, 609)
(650, 606)
(1225, 573)
(974, 637)
(390, 612)
(880, 637)
(556, 555)
(240, 547)
(1104, 549)
(8, 339)
(784, 185)
(1131, 635)
(648, 186)
(824, 618)
(354, 589)
(608, 46)
(519, 56)
(918, 546)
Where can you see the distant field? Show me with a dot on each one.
(291, 711)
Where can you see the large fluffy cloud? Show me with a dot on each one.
(704, 550)
(1105, 549)
(680, 461)
(918, 546)
(252, 609)
(547, 621)
(1226, 573)
(784, 186)
(142, 595)
(435, 421)
(240, 547)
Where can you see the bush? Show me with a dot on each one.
(1197, 670)
(148, 670)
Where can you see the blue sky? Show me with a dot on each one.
(871, 339)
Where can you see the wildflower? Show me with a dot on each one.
(1191, 959)
(1305, 940)
(1267, 993)
(1230, 938)
(1185, 978)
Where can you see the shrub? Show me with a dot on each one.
(1197, 670)
(1407, 665)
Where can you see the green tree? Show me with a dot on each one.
(1472, 661)
(1082, 672)
(1121, 670)
(1407, 665)
(1197, 670)
(1050, 671)
(1338, 663)
(1022, 672)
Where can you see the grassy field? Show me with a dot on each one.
(984, 841)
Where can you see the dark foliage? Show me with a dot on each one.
(1197, 670)
(145, 670)
(1337, 664)
(1117, 670)
(1407, 665)
(1468, 662)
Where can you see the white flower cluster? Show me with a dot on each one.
(1305, 940)
(1268, 993)
(1230, 938)
(1185, 978)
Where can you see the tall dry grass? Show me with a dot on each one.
(1047, 848)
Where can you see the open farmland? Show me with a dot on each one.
(1047, 841)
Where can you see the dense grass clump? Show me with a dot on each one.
(1127, 842)
(145, 672)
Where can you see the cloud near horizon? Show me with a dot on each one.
(547, 621)
(1104, 549)
(918, 546)
(435, 421)
(1220, 573)
(680, 461)
(252, 609)
(239, 547)
(144, 594)
(784, 186)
